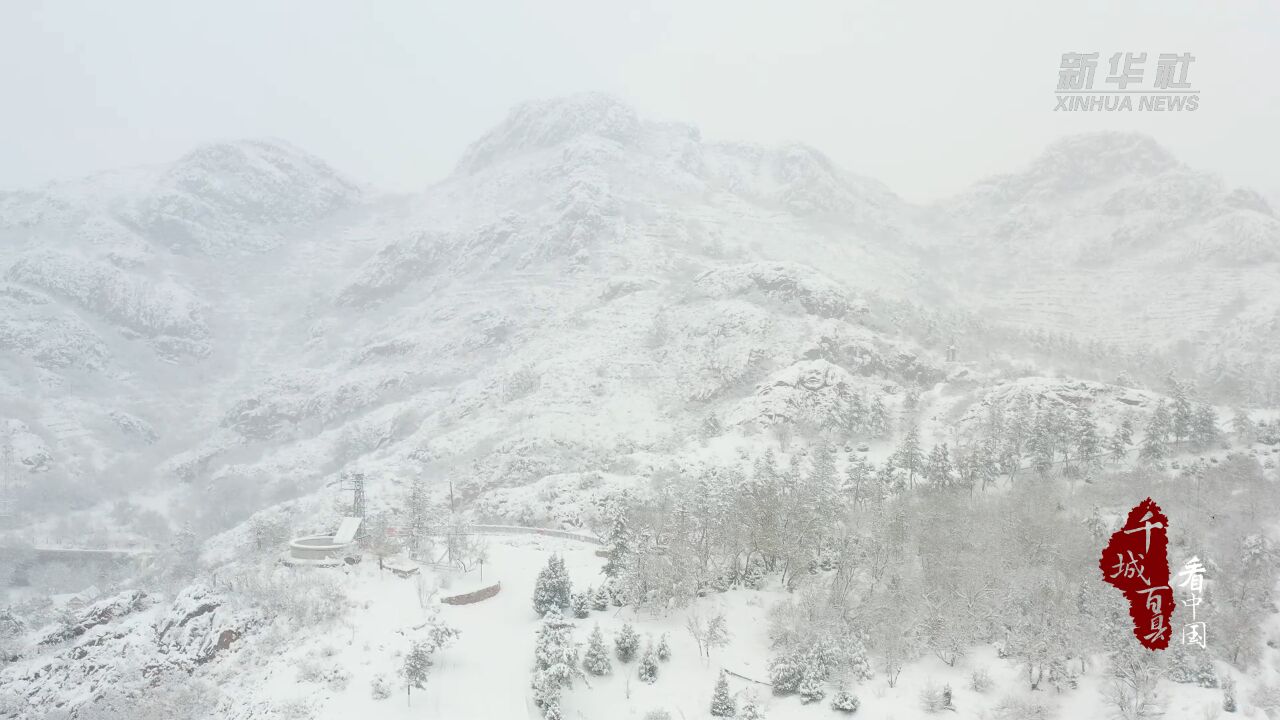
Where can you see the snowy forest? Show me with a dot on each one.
(570, 408)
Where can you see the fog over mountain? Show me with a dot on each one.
(593, 305)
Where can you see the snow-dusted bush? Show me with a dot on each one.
(935, 698)
(751, 710)
(1016, 708)
(844, 701)
(379, 687)
(658, 714)
(520, 383)
(1191, 665)
(302, 598)
(664, 650)
(980, 680)
(1267, 698)
(1229, 694)
(811, 686)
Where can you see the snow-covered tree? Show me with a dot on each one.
(1204, 432)
(785, 674)
(421, 515)
(857, 479)
(626, 643)
(722, 704)
(664, 649)
(908, 456)
(812, 685)
(1243, 427)
(434, 635)
(553, 588)
(1181, 415)
(600, 600)
(648, 670)
(1121, 440)
(1087, 443)
(417, 665)
(581, 603)
(878, 419)
(751, 709)
(555, 661)
(937, 469)
(596, 659)
(618, 541)
(1041, 441)
(708, 632)
(1160, 425)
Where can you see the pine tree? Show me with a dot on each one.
(887, 479)
(1204, 426)
(552, 589)
(879, 417)
(1040, 443)
(1160, 425)
(618, 542)
(596, 660)
(908, 456)
(419, 515)
(600, 601)
(751, 709)
(937, 469)
(648, 669)
(722, 704)
(1088, 445)
(855, 415)
(1243, 427)
(555, 661)
(186, 551)
(626, 642)
(1153, 447)
(857, 477)
(581, 603)
(1182, 410)
(822, 471)
(664, 650)
(1121, 440)
(811, 685)
(785, 674)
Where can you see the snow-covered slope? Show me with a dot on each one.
(1108, 235)
(587, 287)
(590, 300)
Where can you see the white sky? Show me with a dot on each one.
(926, 96)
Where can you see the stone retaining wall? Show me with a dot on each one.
(522, 530)
(473, 597)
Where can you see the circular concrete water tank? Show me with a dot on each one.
(316, 548)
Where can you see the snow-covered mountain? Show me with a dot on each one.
(587, 288)
(590, 300)
(1108, 235)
